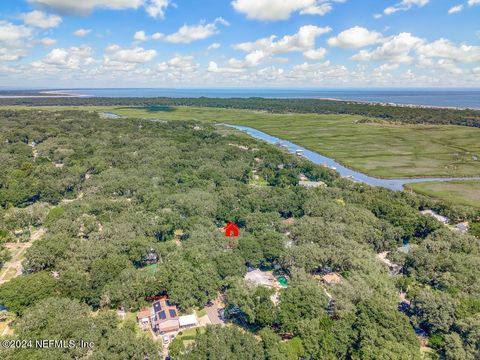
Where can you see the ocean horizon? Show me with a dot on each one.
(454, 98)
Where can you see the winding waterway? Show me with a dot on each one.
(392, 184)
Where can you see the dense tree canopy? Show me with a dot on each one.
(134, 208)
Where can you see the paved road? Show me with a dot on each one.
(212, 312)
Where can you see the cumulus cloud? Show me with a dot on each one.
(355, 37)
(319, 73)
(445, 49)
(281, 10)
(214, 68)
(405, 5)
(190, 33)
(115, 53)
(303, 40)
(263, 49)
(82, 32)
(72, 58)
(41, 20)
(179, 63)
(315, 54)
(252, 59)
(154, 8)
(14, 41)
(140, 36)
(394, 49)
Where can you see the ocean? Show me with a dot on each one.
(460, 98)
(455, 98)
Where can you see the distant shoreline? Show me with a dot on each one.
(376, 103)
(49, 94)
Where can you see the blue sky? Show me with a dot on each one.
(240, 43)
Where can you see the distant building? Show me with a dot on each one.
(311, 184)
(302, 177)
(151, 258)
(187, 321)
(331, 279)
(165, 317)
(144, 317)
(462, 227)
(442, 219)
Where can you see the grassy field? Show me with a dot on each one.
(382, 150)
(458, 192)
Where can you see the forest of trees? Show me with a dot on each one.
(400, 114)
(111, 192)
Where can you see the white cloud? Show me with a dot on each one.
(115, 53)
(213, 67)
(303, 40)
(445, 49)
(315, 54)
(405, 5)
(14, 41)
(190, 33)
(395, 49)
(263, 49)
(82, 32)
(47, 41)
(449, 66)
(355, 37)
(473, 2)
(319, 9)
(73, 58)
(282, 9)
(154, 8)
(319, 73)
(455, 9)
(41, 20)
(179, 63)
(11, 34)
(140, 36)
(214, 46)
(252, 59)
(387, 67)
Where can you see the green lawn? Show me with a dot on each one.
(458, 192)
(378, 149)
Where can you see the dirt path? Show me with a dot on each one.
(34, 151)
(67, 201)
(13, 268)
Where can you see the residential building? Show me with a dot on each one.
(165, 317)
(331, 279)
(187, 321)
